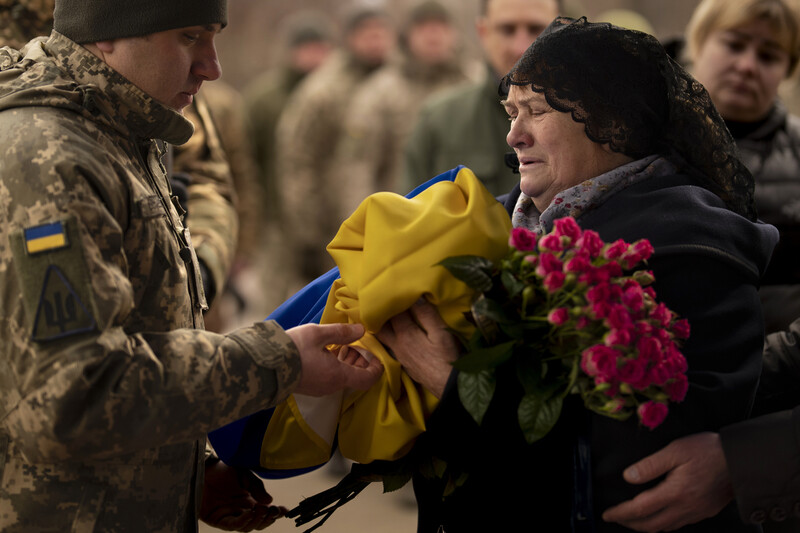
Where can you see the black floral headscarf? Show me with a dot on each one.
(629, 93)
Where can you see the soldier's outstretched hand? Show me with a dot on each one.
(322, 371)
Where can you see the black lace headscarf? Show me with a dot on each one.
(629, 93)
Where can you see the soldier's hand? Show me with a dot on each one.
(323, 372)
(235, 500)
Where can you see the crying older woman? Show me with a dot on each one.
(609, 130)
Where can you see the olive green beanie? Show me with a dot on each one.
(88, 21)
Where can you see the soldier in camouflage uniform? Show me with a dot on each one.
(308, 41)
(199, 170)
(308, 132)
(108, 384)
(383, 111)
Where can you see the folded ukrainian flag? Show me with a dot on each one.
(387, 254)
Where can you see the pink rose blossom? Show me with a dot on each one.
(681, 328)
(661, 314)
(567, 227)
(649, 348)
(599, 293)
(642, 249)
(590, 242)
(652, 413)
(579, 263)
(551, 243)
(548, 263)
(674, 359)
(558, 316)
(659, 374)
(677, 388)
(612, 270)
(633, 297)
(600, 361)
(618, 337)
(633, 372)
(615, 249)
(600, 310)
(553, 281)
(522, 239)
(643, 328)
(619, 317)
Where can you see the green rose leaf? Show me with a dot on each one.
(482, 359)
(393, 482)
(511, 283)
(537, 416)
(472, 270)
(486, 308)
(475, 392)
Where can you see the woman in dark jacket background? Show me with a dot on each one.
(741, 51)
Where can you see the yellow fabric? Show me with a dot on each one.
(387, 253)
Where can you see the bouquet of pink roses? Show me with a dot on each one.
(571, 315)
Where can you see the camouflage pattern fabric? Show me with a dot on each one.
(265, 100)
(22, 20)
(227, 109)
(104, 416)
(308, 132)
(212, 215)
(370, 153)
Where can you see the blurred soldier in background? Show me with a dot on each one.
(308, 133)
(467, 125)
(308, 39)
(382, 113)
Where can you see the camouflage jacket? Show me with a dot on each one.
(106, 389)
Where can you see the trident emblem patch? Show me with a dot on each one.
(60, 312)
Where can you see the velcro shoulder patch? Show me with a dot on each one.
(54, 280)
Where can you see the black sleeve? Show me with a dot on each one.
(763, 456)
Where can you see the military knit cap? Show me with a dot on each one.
(361, 11)
(428, 10)
(308, 27)
(88, 21)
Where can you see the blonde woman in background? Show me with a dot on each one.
(741, 51)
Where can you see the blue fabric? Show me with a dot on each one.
(239, 443)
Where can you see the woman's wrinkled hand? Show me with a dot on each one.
(418, 338)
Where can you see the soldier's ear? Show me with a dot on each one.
(106, 47)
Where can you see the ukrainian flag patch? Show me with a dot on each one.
(45, 238)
